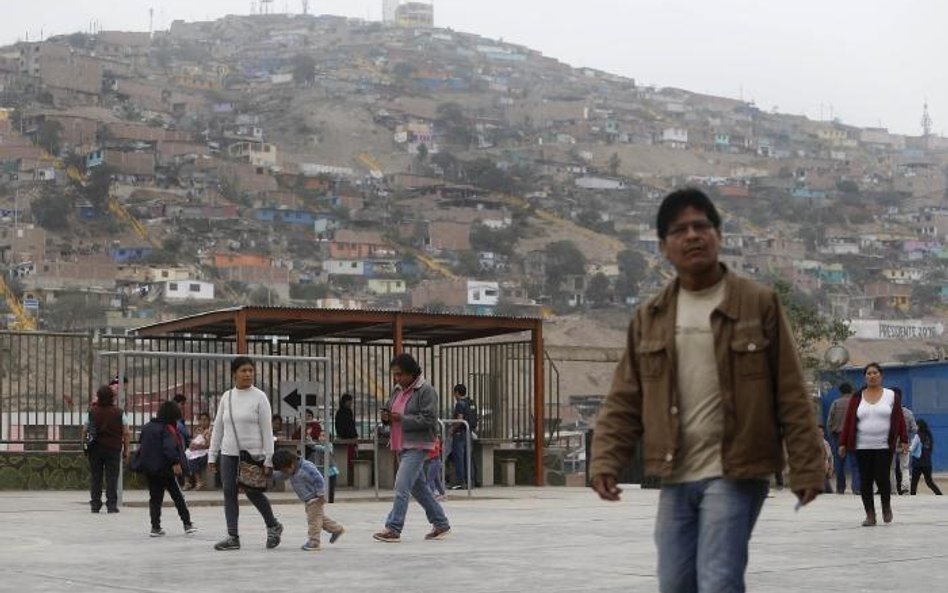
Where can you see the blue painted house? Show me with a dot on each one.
(129, 254)
(298, 217)
(924, 388)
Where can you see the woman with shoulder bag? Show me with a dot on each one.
(243, 439)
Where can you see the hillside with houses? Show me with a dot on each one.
(333, 162)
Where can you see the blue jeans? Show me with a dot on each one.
(459, 453)
(702, 534)
(411, 479)
(839, 465)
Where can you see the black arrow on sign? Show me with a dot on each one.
(293, 399)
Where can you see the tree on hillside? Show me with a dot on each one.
(614, 163)
(452, 121)
(304, 69)
(563, 258)
(72, 311)
(51, 210)
(48, 137)
(810, 327)
(632, 269)
(483, 172)
(598, 291)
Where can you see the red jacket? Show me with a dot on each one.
(897, 432)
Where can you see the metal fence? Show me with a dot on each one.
(47, 381)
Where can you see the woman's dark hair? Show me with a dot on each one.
(923, 427)
(407, 363)
(168, 412)
(282, 459)
(460, 389)
(239, 362)
(677, 201)
(871, 365)
(105, 396)
(276, 417)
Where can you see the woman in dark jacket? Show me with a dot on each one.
(161, 459)
(923, 464)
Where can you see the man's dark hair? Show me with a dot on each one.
(239, 362)
(677, 201)
(845, 388)
(460, 389)
(276, 417)
(407, 363)
(105, 396)
(168, 412)
(346, 397)
(179, 398)
(282, 459)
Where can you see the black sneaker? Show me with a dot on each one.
(335, 536)
(113, 510)
(157, 532)
(189, 528)
(273, 535)
(231, 542)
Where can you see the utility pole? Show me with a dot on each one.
(305, 7)
(926, 125)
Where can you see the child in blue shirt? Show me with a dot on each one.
(310, 486)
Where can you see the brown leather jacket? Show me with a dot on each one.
(763, 394)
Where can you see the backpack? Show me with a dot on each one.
(470, 414)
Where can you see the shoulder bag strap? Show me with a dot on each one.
(230, 413)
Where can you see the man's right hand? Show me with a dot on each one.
(212, 467)
(841, 451)
(605, 486)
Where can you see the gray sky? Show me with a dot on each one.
(867, 62)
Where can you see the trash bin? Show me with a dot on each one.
(363, 474)
(508, 472)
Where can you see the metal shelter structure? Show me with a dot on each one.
(400, 329)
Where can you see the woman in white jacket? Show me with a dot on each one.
(246, 410)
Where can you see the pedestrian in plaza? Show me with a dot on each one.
(711, 384)
(463, 410)
(873, 430)
(162, 460)
(197, 452)
(412, 415)
(902, 460)
(310, 487)
(834, 423)
(922, 465)
(111, 445)
(320, 451)
(346, 430)
(433, 467)
(242, 431)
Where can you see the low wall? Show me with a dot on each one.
(42, 470)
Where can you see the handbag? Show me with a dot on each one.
(250, 471)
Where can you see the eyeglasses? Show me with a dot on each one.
(700, 227)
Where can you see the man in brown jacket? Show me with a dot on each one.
(712, 385)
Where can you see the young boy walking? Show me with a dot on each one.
(310, 486)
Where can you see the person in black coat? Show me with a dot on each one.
(161, 459)
(346, 429)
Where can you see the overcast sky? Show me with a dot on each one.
(867, 62)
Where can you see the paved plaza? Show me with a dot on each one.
(545, 540)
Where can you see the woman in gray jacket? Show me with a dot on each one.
(412, 414)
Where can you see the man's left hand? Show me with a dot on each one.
(807, 496)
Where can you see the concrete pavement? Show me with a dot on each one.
(546, 540)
